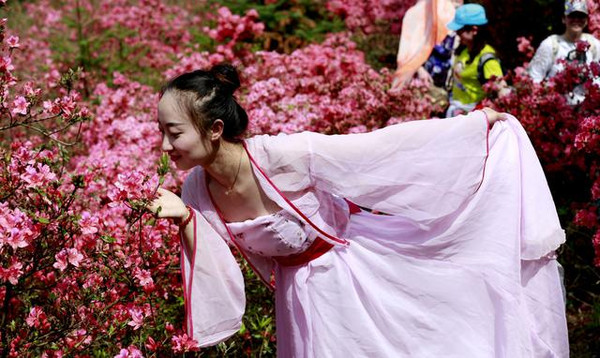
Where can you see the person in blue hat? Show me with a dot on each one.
(476, 61)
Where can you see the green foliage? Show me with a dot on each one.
(288, 24)
(380, 49)
(256, 338)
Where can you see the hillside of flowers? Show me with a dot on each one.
(86, 271)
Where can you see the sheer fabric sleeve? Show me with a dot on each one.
(213, 284)
(433, 173)
(542, 61)
(422, 170)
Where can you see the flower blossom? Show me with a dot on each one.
(137, 318)
(37, 318)
(13, 42)
(88, 223)
(16, 228)
(6, 64)
(184, 343)
(20, 105)
(13, 272)
(67, 256)
(38, 175)
(129, 352)
(144, 277)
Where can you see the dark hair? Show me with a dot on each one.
(481, 39)
(208, 95)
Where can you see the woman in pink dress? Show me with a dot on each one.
(463, 265)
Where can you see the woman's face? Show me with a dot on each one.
(575, 22)
(467, 35)
(181, 140)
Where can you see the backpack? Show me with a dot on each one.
(584, 37)
(482, 61)
(439, 63)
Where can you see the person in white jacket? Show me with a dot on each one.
(545, 63)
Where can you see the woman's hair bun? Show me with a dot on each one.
(227, 77)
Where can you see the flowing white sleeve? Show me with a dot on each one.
(213, 284)
(431, 172)
(422, 170)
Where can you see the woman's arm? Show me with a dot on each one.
(170, 206)
(213, 285)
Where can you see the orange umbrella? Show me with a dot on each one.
(423, 26)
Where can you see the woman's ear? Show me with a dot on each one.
(475, 29)
(216, 130)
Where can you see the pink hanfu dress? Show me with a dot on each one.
(463, 265)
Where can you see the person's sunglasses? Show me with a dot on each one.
(577, 15)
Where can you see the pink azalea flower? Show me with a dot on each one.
(130, 352)
(20, 106)
(51, 107)
(78, 337)
(16, 229)
(137, 318)
(13, 272)
(6, 64)
(61, 260)
(36, 314)
(123, 353)
(183, 343)
(88, 223)
(13, 42)
(30, 91)
(67, 256)
(135, 353)
(74, 256)
(144, 277)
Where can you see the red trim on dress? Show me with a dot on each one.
(185, 298)
(487, 148)
(315, 250)
(330, 237)
(187, 291)
(192, 276)
(269, 284)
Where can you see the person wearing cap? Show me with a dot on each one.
(476, 60)
(545, 63)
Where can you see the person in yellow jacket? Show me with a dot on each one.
(476, 61)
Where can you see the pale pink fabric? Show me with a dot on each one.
(460, 270)
(423, 26)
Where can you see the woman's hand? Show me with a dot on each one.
(171, 206)
(493, 116)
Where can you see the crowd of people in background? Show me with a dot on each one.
(447, 46)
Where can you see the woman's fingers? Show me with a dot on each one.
(493, 116)
(168, 205)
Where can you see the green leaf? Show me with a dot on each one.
(42, 220)
(108, 239)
